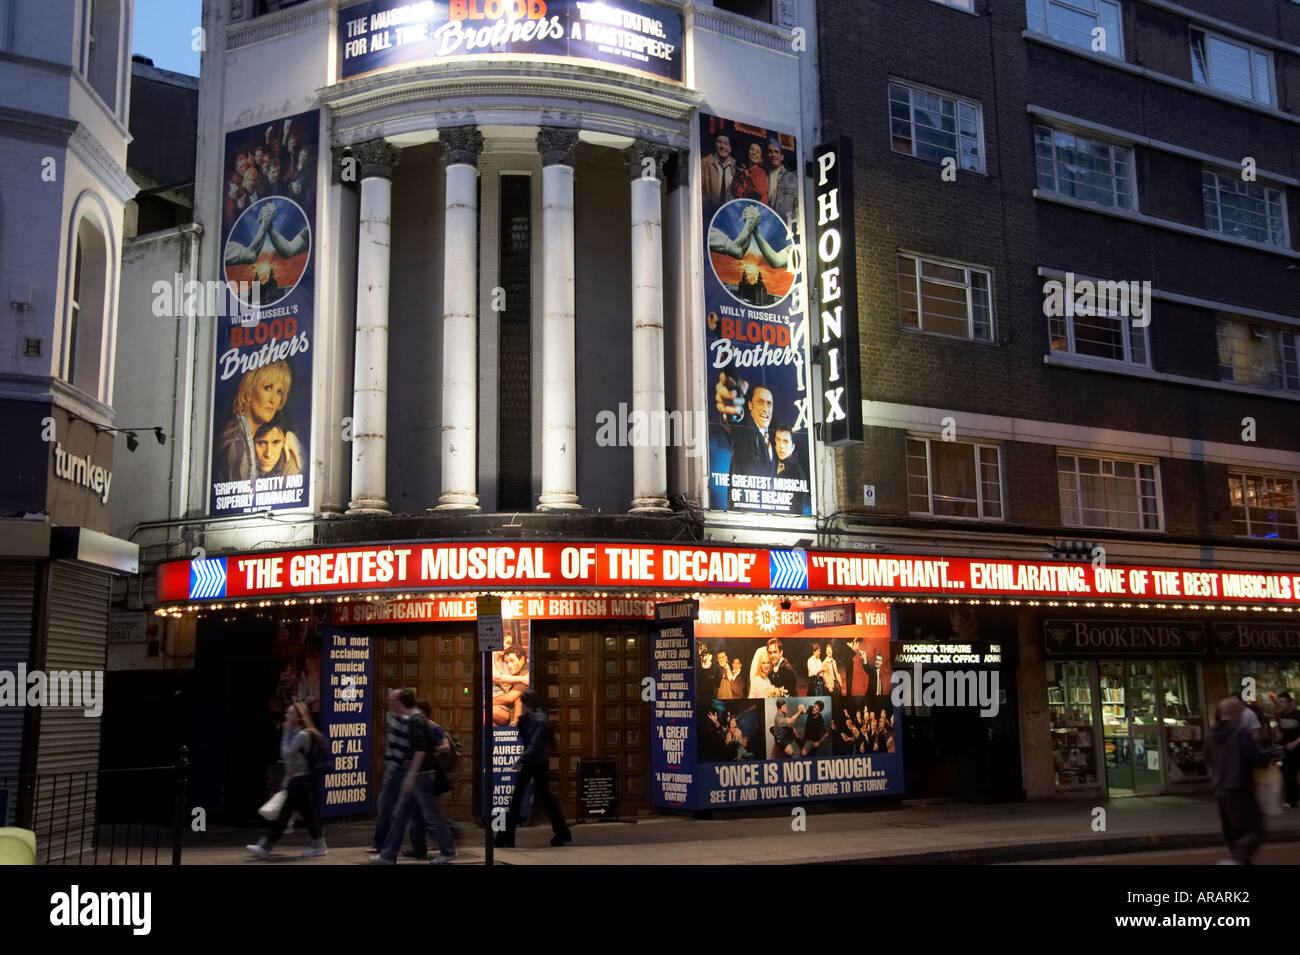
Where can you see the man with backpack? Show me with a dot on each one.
(397, 758)
(534, 766)
(431, 748)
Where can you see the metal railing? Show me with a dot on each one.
(133, 816)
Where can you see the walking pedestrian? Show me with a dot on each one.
(533, 766)
(1234, 755)
(397, 756)
(297, 739)
(419, 789)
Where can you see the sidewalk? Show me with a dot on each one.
(939, 834)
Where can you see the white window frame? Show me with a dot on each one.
(1244, 474)
(1270, 68)
(968, 6)
(1271, 195)
(1130, 178)
(978, 451)
(957, 101)
(1281, 341)
(1072, 345)
(1093, 8)
(1111, 459)
(918, 260)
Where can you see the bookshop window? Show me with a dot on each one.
(1069, 699)
(1184, 720)
(1271, 676)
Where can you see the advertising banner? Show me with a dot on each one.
(672, 720)
(789, 714)
(756, 328)
(346, 705)
(261, 414)
(511, 677)
(626, 33)
(553, 565)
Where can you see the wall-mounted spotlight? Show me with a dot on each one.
(132, 439)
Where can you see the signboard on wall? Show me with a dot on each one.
(261, 412)
(672, 717)
(836, 282)
(347, 699)
(756, 331)
(1152, 637)
(629, 34)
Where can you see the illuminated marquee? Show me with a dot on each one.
(568, 566)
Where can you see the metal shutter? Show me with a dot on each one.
(17, 600)
(68, 755)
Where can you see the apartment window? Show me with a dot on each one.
(945, 298)
(949, 479)
(1255, 355)
(1246, 210)
(74, 312)
(1075, 22)
(1231, 67)
(967, 5)
(1101, 492)
(1087, 169)
(1111, 337)
(1264, 506)
(933, 127)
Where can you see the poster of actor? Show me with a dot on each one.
(262, 392)
(759, 442)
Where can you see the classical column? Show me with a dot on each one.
(649, 459)
(462, 145)
(370, 369)
(559, 400)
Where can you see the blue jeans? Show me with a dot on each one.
(420, 799)
(389, 790)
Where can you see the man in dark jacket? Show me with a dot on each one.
(1234, 755)
(534, 766)
(1288, 727)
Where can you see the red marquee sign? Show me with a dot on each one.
(399, 567)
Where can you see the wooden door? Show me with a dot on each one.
(438, 664)
(590, 680)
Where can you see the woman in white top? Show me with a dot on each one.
(760, 671)
(297, 739)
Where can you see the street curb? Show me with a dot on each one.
(1061, 851)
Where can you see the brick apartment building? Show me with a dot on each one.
(1124, 140)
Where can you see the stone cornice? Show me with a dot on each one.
(271, 26)
(737, 27)
(90, 151)
(19, 387)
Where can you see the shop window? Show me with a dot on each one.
(951, 479)
(945, 298)
(1184, 720)
(1244, 210)
(1269, 676)
(1083, 168)
(1264, 506)
(1102, 492)
(1074, 747)
(933, 126)
(754, 9)
(1087, 24)
(1228, 66)
(1257, 355)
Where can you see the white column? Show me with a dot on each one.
(649, 460)
(559, 398)
(462, 144)
(370, 374)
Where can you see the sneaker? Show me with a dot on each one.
(382, 860)
(316, 850)
(259, 850)
(562, 839)
(416, 853)
(442, 859)
(1227, 862)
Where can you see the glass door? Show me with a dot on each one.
(1144, 728)
(1116, 748)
